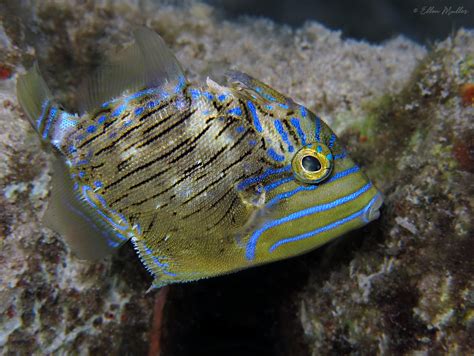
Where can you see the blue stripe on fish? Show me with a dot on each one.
(274, 155)
(180, 85)
(269, 172)
(256, 121)
(44, 106)
(296, 124)
(118, 111)
(252, 243)
(103, 232)
(235, 111)
(85, 189)
(328, 227)
(317, 231)
(277, 183)
(303, 111)
(161, 265)
(51, 117)
(341, 155)
(317, 133)
(283, 134)
(290, 193)
(240, 129)
(367, 208)
(120, 236)
(264, 94)
(332, 140)
(195, 94)
(140, 246)
(141, 93)
(107, 103)
(269, 97)
(81, 162)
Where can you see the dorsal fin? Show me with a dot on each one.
(147, 63)
(161, 66)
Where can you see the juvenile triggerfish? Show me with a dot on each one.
(204, 180)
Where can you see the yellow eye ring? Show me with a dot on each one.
(312, 163)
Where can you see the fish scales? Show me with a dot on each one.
(204, 180)
(200, 132)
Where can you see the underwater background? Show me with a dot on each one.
(395, 80)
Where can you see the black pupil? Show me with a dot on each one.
(311, 164)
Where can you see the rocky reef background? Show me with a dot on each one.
(406, 113)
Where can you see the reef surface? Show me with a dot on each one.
(406, 113)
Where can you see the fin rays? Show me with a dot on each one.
(147, 63)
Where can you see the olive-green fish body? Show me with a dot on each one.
(203, 180)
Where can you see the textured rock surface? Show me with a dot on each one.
(402, 284)
(408, 285)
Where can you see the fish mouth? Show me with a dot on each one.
(372, 211)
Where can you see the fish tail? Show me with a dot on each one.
(48, 119)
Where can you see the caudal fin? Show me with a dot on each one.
(44, 114)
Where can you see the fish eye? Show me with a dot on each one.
(312, 163)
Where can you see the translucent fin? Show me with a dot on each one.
(161, 66)
(47, 118)
(69, 215)
(32, 93)
(147, 63)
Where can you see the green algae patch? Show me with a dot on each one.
(466, 68)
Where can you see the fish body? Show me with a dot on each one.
(204, 180)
